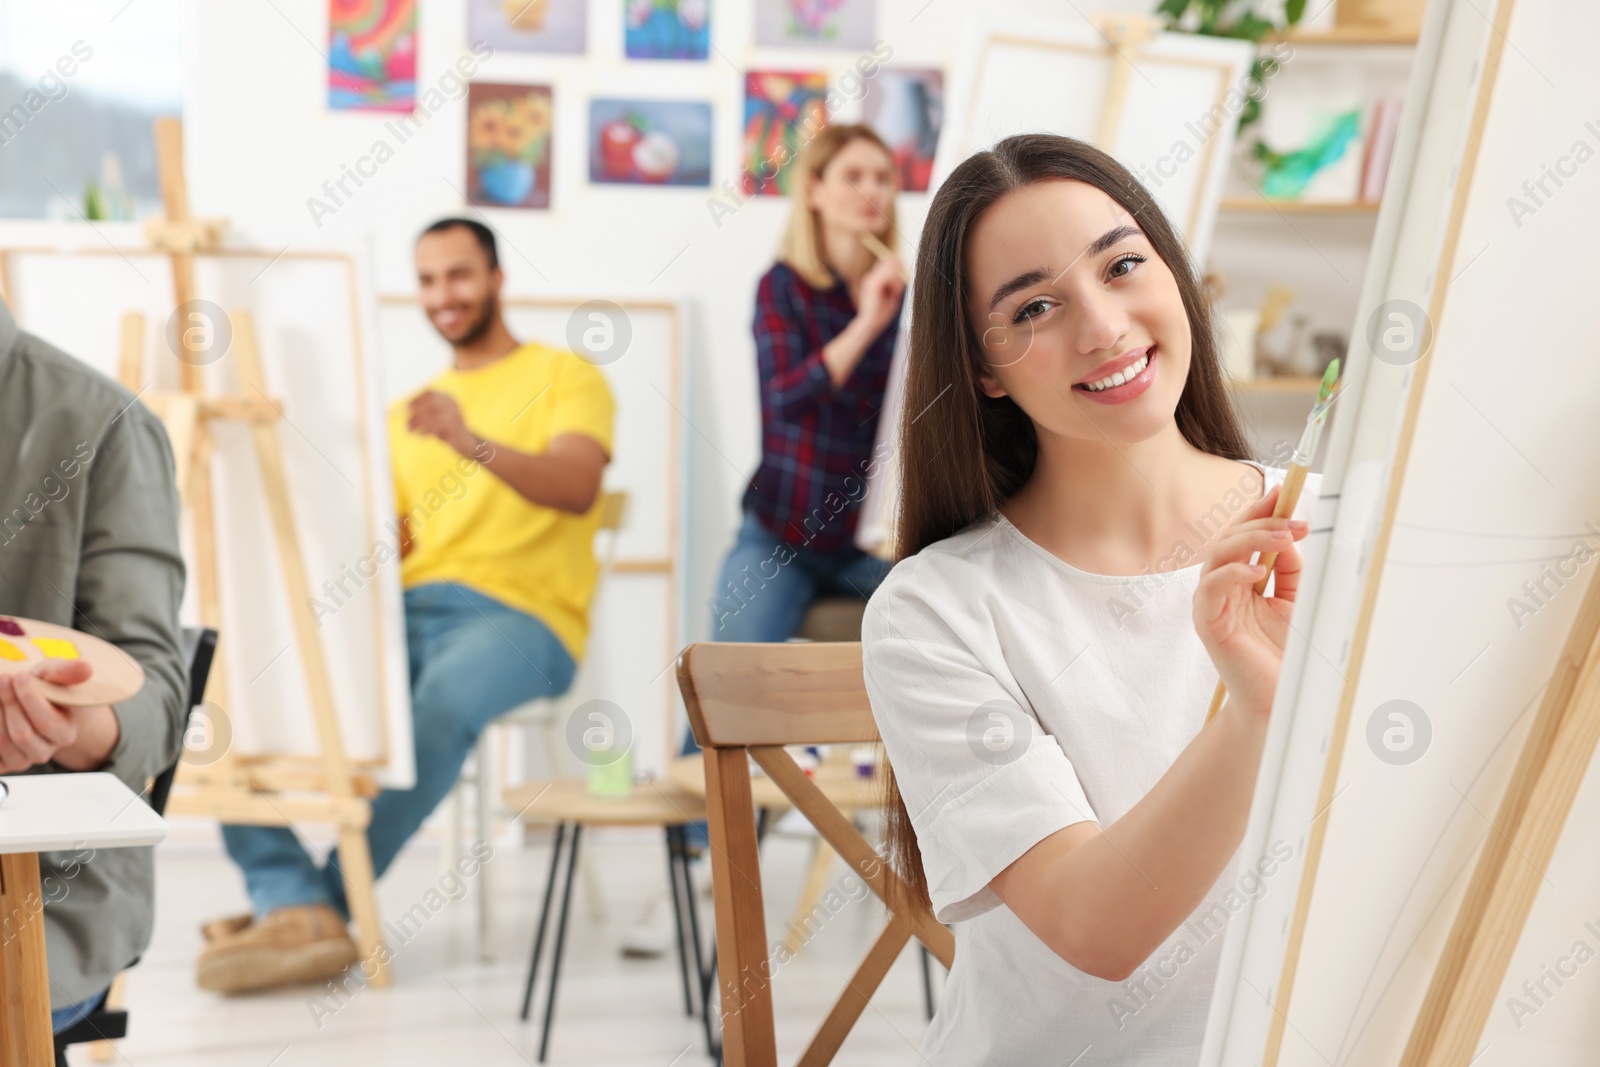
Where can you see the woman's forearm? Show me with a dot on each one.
(1104, 900)
(844, 352)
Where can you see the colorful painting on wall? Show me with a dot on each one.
(372, 55)
(666, 29)
(782, 111)
(559, 26)
(815, 23)
(650, 142)
(906, 107)
(508, 145)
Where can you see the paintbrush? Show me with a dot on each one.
(1293, 481)
(879, 249)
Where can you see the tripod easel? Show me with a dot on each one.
(235, 789)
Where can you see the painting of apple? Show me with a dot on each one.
(650, 142)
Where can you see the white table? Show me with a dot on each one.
(46, 812)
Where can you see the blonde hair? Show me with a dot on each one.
(801, 247)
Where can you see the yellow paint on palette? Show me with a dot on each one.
(56, 648)
(10, 651)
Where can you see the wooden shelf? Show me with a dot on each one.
(1285, 384)
(1350, 35)
(1298, 207)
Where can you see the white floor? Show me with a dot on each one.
(447, 1007)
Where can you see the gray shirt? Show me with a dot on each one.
(89, 539)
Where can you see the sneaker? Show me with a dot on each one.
(306, 943)
(652, 932)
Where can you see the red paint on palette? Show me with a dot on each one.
(10, 626)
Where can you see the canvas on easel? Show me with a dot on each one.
(258, 362)
(1427, 765)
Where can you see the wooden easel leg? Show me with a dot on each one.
(25, 1039)
(130, 353)
(355, 862)
(1555, 756)
(354, 856)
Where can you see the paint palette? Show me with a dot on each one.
(25, 643)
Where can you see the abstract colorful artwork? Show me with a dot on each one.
(1327, 166)
(559, 26)
(782, 112)
(650, 142)
(666, 29)
(906, 108)
(815, 23)
(508, 145)
(372, 55)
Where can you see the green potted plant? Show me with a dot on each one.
(1230, 18)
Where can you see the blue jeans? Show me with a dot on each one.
(760, 598)
(472, 660)
(72, 1014)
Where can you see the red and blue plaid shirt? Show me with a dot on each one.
(816, 441)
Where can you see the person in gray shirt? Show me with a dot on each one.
(89, 539)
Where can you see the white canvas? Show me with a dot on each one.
(314, 330)
(1501, 488)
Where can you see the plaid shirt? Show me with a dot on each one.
(816, 441)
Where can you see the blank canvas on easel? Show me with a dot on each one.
(1463, 492)
(313, 322)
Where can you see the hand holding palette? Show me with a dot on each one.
(27, 643)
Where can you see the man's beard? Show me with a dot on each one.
(481, 326)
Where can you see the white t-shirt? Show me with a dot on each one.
(1016, 695)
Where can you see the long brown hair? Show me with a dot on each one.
(966, 453)
(801, 246)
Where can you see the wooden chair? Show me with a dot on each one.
(747, 701)
(829, 618)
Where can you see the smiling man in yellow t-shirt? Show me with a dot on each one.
(497, 466)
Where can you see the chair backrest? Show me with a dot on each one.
(200, 645)
(613, 517)
(747, 701)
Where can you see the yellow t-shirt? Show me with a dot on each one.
(468, 526)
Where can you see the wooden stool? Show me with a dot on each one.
(833, 618)
(567, 803)
(837, 778)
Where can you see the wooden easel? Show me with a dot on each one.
(1554, 758)
(234, 789)
(1125, 34)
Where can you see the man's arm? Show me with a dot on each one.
(130, 585)
(565, 476)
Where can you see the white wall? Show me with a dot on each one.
(261, 141)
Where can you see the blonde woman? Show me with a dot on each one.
(825, 323)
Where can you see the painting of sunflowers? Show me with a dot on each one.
(508, 145)
(782, 111)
